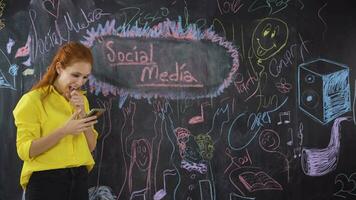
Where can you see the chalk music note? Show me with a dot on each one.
(199, 118)
(230, 102)
(290, 142)
(285, 116)
(300, 134)
(297, 152)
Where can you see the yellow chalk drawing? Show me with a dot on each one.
(269, 37)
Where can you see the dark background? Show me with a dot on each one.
(317, 29)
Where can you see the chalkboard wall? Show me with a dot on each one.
(206, 100)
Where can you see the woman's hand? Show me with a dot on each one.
(75, 126)
(77, 100)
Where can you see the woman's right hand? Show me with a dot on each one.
(76, 125)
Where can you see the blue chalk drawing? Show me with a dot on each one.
(323, 89)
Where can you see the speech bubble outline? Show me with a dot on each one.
(169, 31)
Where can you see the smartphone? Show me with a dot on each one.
(95, 111)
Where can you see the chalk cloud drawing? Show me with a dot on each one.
(131, 51)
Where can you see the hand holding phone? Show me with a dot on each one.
(95, 111)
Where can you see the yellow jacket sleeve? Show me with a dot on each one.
(26, 116)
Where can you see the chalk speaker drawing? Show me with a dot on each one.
(323, 89)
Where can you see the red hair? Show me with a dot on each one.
(67, 54)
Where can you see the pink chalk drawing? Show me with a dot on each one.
(137, 55)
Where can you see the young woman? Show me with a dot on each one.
(54, 138)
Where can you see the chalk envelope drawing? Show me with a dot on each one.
(166, 60)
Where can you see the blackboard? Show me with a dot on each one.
(211, 99)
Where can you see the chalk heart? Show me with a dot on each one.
(50, 7)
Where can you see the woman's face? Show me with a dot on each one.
(72, 77)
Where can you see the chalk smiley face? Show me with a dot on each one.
(269, 37)
(142, 153)
(269, 140)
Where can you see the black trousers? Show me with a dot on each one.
(58, 184)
